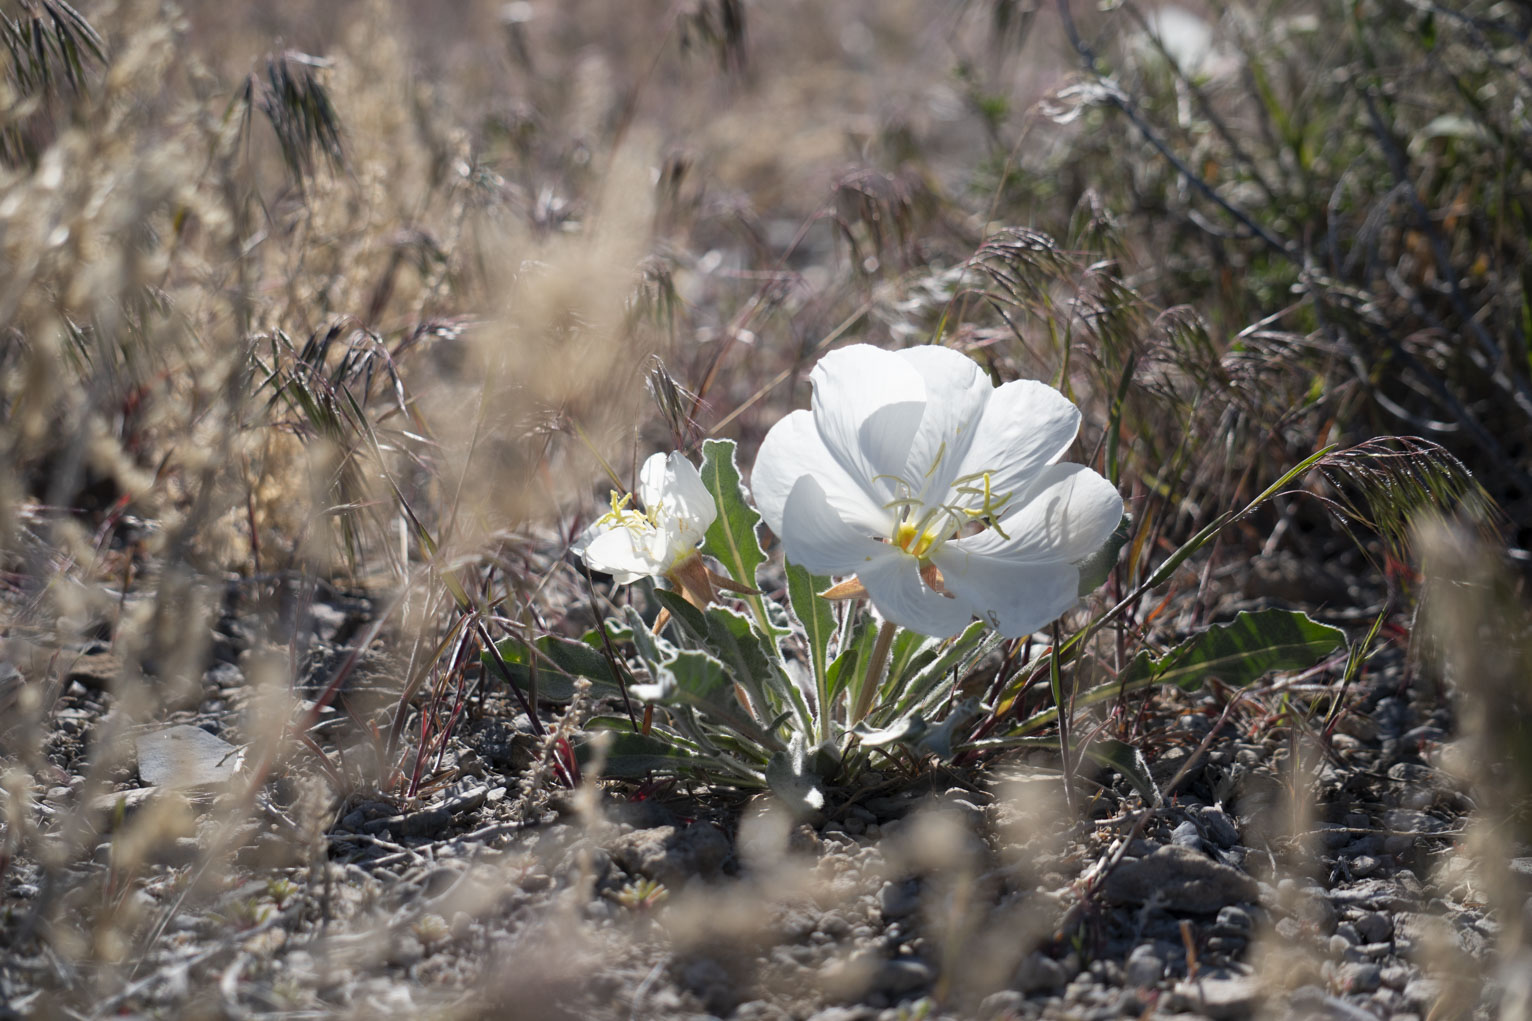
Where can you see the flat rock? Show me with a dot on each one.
(670, 855)
(1235, 996)
(1179, 879)
(185, 756)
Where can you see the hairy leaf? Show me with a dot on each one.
(731, 539)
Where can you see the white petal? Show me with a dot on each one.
(1065, 516)
(814, 536)
(893, 584)
(624, 554)
(852, 385)
(793, 449)
(687, 508)
(652, 479)
(1016, 599)
(958, 391)
(1026, 425)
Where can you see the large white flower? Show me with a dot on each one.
(677, 510)
(936, 489)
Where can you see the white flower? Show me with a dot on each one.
(677, 510)
(936, 489)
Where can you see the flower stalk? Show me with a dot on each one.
(874, 675)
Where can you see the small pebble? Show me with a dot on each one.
(1364, 865)
(899, 900)
(1360, 978)
(996, 1005)
(1233, 920)
(1186, 835)
(1039, 973)
(1375, 927)
(1144, 966)
(904, 974)
(1219, 827)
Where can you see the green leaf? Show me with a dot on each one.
(791, 779)
(941, 739)
(742, 648)
(694, 678)
(558, 661)
(1128, 761)
(818, 623)
(854, 652)
(1238, 653)
(731, 539)
(1242, 651)
(927, 687)
(630, 756)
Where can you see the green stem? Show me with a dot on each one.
(875, 664)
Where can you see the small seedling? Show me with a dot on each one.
(643, 895)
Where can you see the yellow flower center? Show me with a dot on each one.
(914, 541)
(623, 516)
(922, 527)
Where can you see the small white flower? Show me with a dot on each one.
(630, 544)
(936, 489)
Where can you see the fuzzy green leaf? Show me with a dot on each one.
(818, 622)
(740, 646)
(731, 539)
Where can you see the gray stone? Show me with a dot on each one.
(1235, 996)
(1178, 879)
(904, 975)
(1375, 927)
(1364, 865)
(1360, 978)
(1312, 1003)
(1422, 992)
(1315, 909)
(1187, 835)
(1039, 973)
(857, 1013)
(670, 855)
(899, 900)
(1375, 894)
(996, 1005)
(1144, 966)
(1234, 921)
(1218, 826)
(185, 756)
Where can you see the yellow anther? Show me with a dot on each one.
(989, 510)
(623, 516)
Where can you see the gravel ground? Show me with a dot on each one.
(1283, 876)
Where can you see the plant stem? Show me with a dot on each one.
(875, 664)
(1056, 682)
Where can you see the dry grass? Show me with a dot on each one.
(363, 300)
